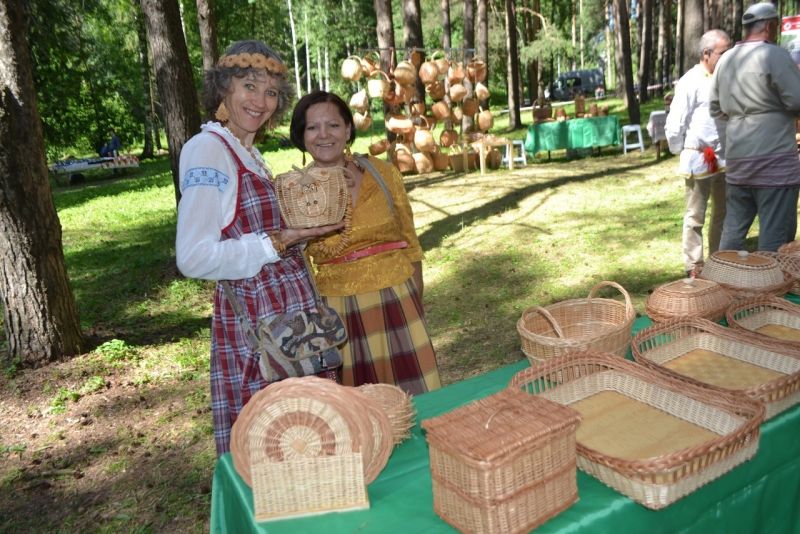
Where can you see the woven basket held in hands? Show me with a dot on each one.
(313, 196)
(771, 317)
(579, 324)
(690, 297)
(652, 437)
(746, 275)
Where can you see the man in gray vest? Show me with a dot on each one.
(756, 89)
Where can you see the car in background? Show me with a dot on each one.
(570, 83)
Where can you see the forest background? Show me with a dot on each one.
(71, 71)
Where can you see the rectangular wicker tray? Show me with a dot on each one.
(652, 437)
(708, 354)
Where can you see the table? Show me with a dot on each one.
(485, 144)
(761, 495)
(572, 134)
(655, 129)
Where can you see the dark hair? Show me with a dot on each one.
(217, 80)
(298, 126)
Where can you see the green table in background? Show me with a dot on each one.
(572, 134)
(761, 495)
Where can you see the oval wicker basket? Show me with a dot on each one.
(746, 275)
(397, 405)
(788, 262)
(770, 318)
(690, 297)
(313, 196)
(579, 324)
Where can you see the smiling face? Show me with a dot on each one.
(326, 134)
(250, 102)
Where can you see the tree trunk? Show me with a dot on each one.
(738, 11)
(308, 51)
(679, 39)
(574, 24)
(446, 37)
(179, 103)
(482, 51)
(208, 33)
(469, 28)
(624, 42)
(692, 31)
(619, 86)
(297, 85)
(39, 313)
(646, 48)
(412, 35)
(611, 70)
(384, 29)
(144, 61)
(514, 119)
(663, 62)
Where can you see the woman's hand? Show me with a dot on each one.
(291, 236)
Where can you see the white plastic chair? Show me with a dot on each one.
(631, 129)
(521, 158)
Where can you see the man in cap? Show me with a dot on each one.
(692, 133)
(756, 89)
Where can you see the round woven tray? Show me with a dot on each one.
(789, 263)
(397, 405)
(309, 417)
(769, 318)
(747, 275)
(690, 297)
(579, 324)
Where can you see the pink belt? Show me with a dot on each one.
(365, 252)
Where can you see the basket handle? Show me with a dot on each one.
(628, 304)
(550, 319)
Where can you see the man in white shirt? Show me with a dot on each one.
(694, 135)
(756, 90)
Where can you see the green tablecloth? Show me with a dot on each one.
(574, 134)
(761, 495)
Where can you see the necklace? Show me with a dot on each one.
(254, 154)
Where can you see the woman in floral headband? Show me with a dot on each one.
(229, 224)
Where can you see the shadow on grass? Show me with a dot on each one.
(451, 224)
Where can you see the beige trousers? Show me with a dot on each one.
(698, 192)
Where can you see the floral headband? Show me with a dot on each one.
(255, 61)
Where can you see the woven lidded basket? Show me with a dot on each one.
(771, 317)
(788, 262)
(312, 196)
(578, 324)
(653, 437)
(722, 359)
(690, 297)
(505, 463)
(746, 275)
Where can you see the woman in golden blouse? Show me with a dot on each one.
(375, 282)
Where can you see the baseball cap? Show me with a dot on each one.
(760, 11)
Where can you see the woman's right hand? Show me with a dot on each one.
(292, 236)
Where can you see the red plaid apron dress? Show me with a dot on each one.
(279, 287)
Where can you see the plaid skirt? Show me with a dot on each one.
(388, 339)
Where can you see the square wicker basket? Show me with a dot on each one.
(722, 359)
(770, 318)
(505, 463)
(650, 436)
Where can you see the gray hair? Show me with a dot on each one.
(217, 80)
(709, 40)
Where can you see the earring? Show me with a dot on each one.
(348, 156)
(222, 113)
(304, 159)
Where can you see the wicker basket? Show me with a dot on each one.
(690, 297)
(792, 248)
(313, 196)
(505, 463)
(652, 437)
(772, 318)
(746, 275)
(579, 324)
(722, 359)
(397, 405)
(789, 263)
